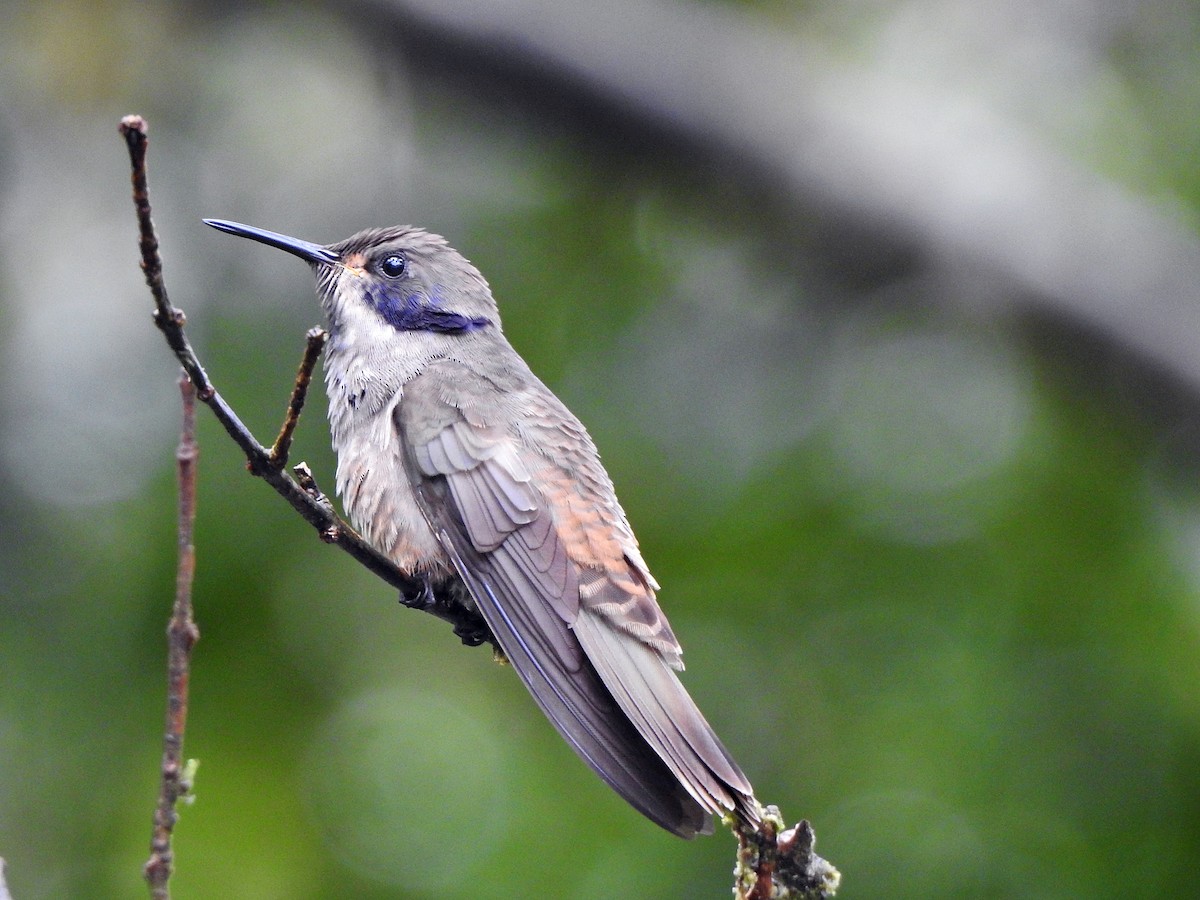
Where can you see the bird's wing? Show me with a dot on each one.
(518, 498)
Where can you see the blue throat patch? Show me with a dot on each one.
(418, 312)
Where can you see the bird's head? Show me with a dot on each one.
(409, 279)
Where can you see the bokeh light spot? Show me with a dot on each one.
(396, 776)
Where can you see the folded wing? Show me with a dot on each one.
(545, 552)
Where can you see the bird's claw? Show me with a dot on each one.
(472, 635)
(422, 599)
(472, 631)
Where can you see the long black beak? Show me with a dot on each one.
(306, 250)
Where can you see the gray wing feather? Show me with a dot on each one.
(608, 687)
(569, 691)
(650, 693)
(527, 590)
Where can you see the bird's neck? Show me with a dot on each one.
(368, 362)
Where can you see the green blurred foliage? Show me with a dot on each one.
(950, 615)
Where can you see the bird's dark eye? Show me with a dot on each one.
(393, 266)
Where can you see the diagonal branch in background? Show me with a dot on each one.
(268, 464)
(800, 127)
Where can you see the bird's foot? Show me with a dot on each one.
(472, 634)
(422, 599)
(469, 626)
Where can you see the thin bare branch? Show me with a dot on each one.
(182, 635)
(315, 338)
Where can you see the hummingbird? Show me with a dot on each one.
(457, 463)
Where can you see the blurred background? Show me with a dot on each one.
(883, 314)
